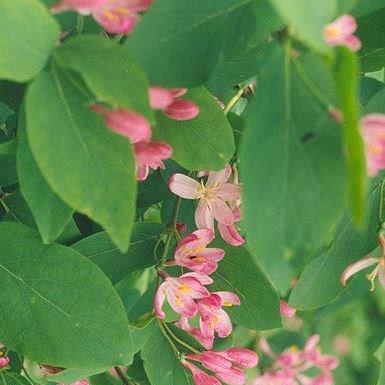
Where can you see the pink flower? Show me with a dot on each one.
(212, 318)
(180, 293)
(81, 382)
(286, 310)
(227, 364)
(212, 197)
(84, 7)
(4, 361)
(183, 323)
(125, 122)
(373, 133)
(199, 376)
(341, 32)
(168, 100)
(120, 16)
(150, 155)
(229, 233)
(192, 252)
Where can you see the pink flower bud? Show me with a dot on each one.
(161, 98)
(182, 110)
(286, 310)
(125, 122)
(4, 361)
(244, 358)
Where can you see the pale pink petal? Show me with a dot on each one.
(244, 358)
(286, 310)
(354, 43)
(337, 32)
(182, 110)
(125, 122)
(381, 274)
(223, 326)
(178, 92)
(203, 279)
(265, 347)
(139, 5)
(228, 298)
(205, 235)
(229, 192)
(233, 376)
(159, 300)
(328, 362)
(160, 98)
(142, 173)
(182, 304)
(211, 360)
(116, 17)
(151, 154)
(195, 287)
(203, 216)
(217, 178)
(354, 268)
(311, 343)
(230, 234)
(200, 377)
(184, 186)
(222, 212)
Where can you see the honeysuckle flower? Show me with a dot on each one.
(292, 367)
(84, 7)
(4, 361)
(192, 252)
(229, 233)
(183, 324)
(120, 16)
(168, 100)
(373, 134)
(180, 293)
(286, 310)
(227, 364)
(212, 318)
(341, 33)
(199, 376)
(150, 155)
(212, 197)
(125, 122)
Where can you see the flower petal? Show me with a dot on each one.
(159, 298)
(233, 376)
(228, 298)
(184, 186)
(229, 192)
(230, 234)
(222, 212)
(182, 110)
(218, 177)
(355, 267)
(203, 216)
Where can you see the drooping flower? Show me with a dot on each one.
(230, 233)
(212, 318)
(286, 310)
(373, 134)
(168, 100)
(341, 33)
(180, 293)
(183, 324)
(212, 197)
(120, 16)
(150, 155)
(298, 367)
(192, 252)
(84, 7)
(125, 122)
(227, 365)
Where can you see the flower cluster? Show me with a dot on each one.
(226, 366)
(218, 198)
(137, 128)
(341, 33)
(293, 366)
(4, 359)
(115, 16)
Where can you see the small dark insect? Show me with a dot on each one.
(307, 137)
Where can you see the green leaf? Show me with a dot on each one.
(17, 209)
(115, 264)
(346, 73)
(87, 166)
(179, 44)
(8, 148)
(203, 143)
(57, 306)
(11, 378)
(109, 70)
(153, 190)
(365, 7)
(25, 46)
(237, 272)
(51, 214)
(291, 162)
(8, 174)
(160, 362)
(349, 245)
(307, 18)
